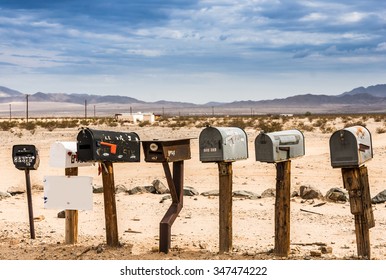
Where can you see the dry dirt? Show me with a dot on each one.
(195, 232)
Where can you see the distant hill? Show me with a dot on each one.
(361, 99)
(377, 90)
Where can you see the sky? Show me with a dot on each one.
(194, 50)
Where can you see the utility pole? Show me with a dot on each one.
(10, 112)
(85, 109)
(27, 107)
(94, 112)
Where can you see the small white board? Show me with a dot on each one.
(68, 192)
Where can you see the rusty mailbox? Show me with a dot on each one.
(25, 157)
(223, 144)
(110, 146)
(350, 147)
(165, 152)
(65, 155)
(279, 146)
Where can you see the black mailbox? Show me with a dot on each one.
(112, 146)
(25, 157)
(166, 150)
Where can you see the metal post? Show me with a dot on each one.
(27, 108)
(176, 186)
(30, 206)
(85, 109)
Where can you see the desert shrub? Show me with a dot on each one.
(269, 126)
(27, 125)
(144, 123)
(380, 130)
(236, 122)
(85, 122)
(348, 124)
(304, 127)
(7, 125)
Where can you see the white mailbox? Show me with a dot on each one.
(350, 147)
(279, 146)
(64, 155)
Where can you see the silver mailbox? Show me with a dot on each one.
(64, 155)
(350, 147)
(279, 146)
(223, 144)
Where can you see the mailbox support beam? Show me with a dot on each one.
(30, 206)
(110, 204)
(282, 208)
(225, 184)
(356, 181)
(176, 186)
(71, 226)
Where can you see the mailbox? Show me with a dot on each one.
(166, 150)
(64, 155)
(279, 146)
(350, 147)
(225, 144)
(25, 157)
(101, 145)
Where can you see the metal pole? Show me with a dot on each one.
(94, 112)
(30, 207)
(10, 111)
(85, 109)
(27, 108)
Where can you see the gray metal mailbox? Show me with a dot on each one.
(166, 150)
(279, 146)
(350, 147)
(112, 146)
(225, 144)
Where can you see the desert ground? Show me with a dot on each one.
(195, 231)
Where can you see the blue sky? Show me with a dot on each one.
(195, 51)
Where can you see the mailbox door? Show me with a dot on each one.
(343, 149)
(85, 145)
(264, 148)
(64, 155)
(211, 145)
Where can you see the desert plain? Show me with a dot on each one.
(195, 233)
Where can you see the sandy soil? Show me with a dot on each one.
(195, 232)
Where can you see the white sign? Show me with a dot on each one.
(68, 192)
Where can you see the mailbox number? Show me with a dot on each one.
(210, 150)
(27, 160)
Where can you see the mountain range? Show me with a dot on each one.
(361, 99)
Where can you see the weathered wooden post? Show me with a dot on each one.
(350, 148)
(64, 155)
(107, 147)
(224, 145)
(279, 147)
(165, 152)
(26, 158)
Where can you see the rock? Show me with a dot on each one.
(211, 193)
(379, 198)
(337, 195)
(39, 218)
(190, 191)
(326, 249)
(62, 214)
(315, 253)
(159, 187)
(269, 193)
(4, 195)
(120, 189)
(308, 192)
(97, 189)
(15, 190)
(166, 197)
(139, 190)
(246, 194)
(37, 187)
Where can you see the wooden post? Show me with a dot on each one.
(282, 209)
(110, 204)
(355, 180)
(71, 234)
(225, 184)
